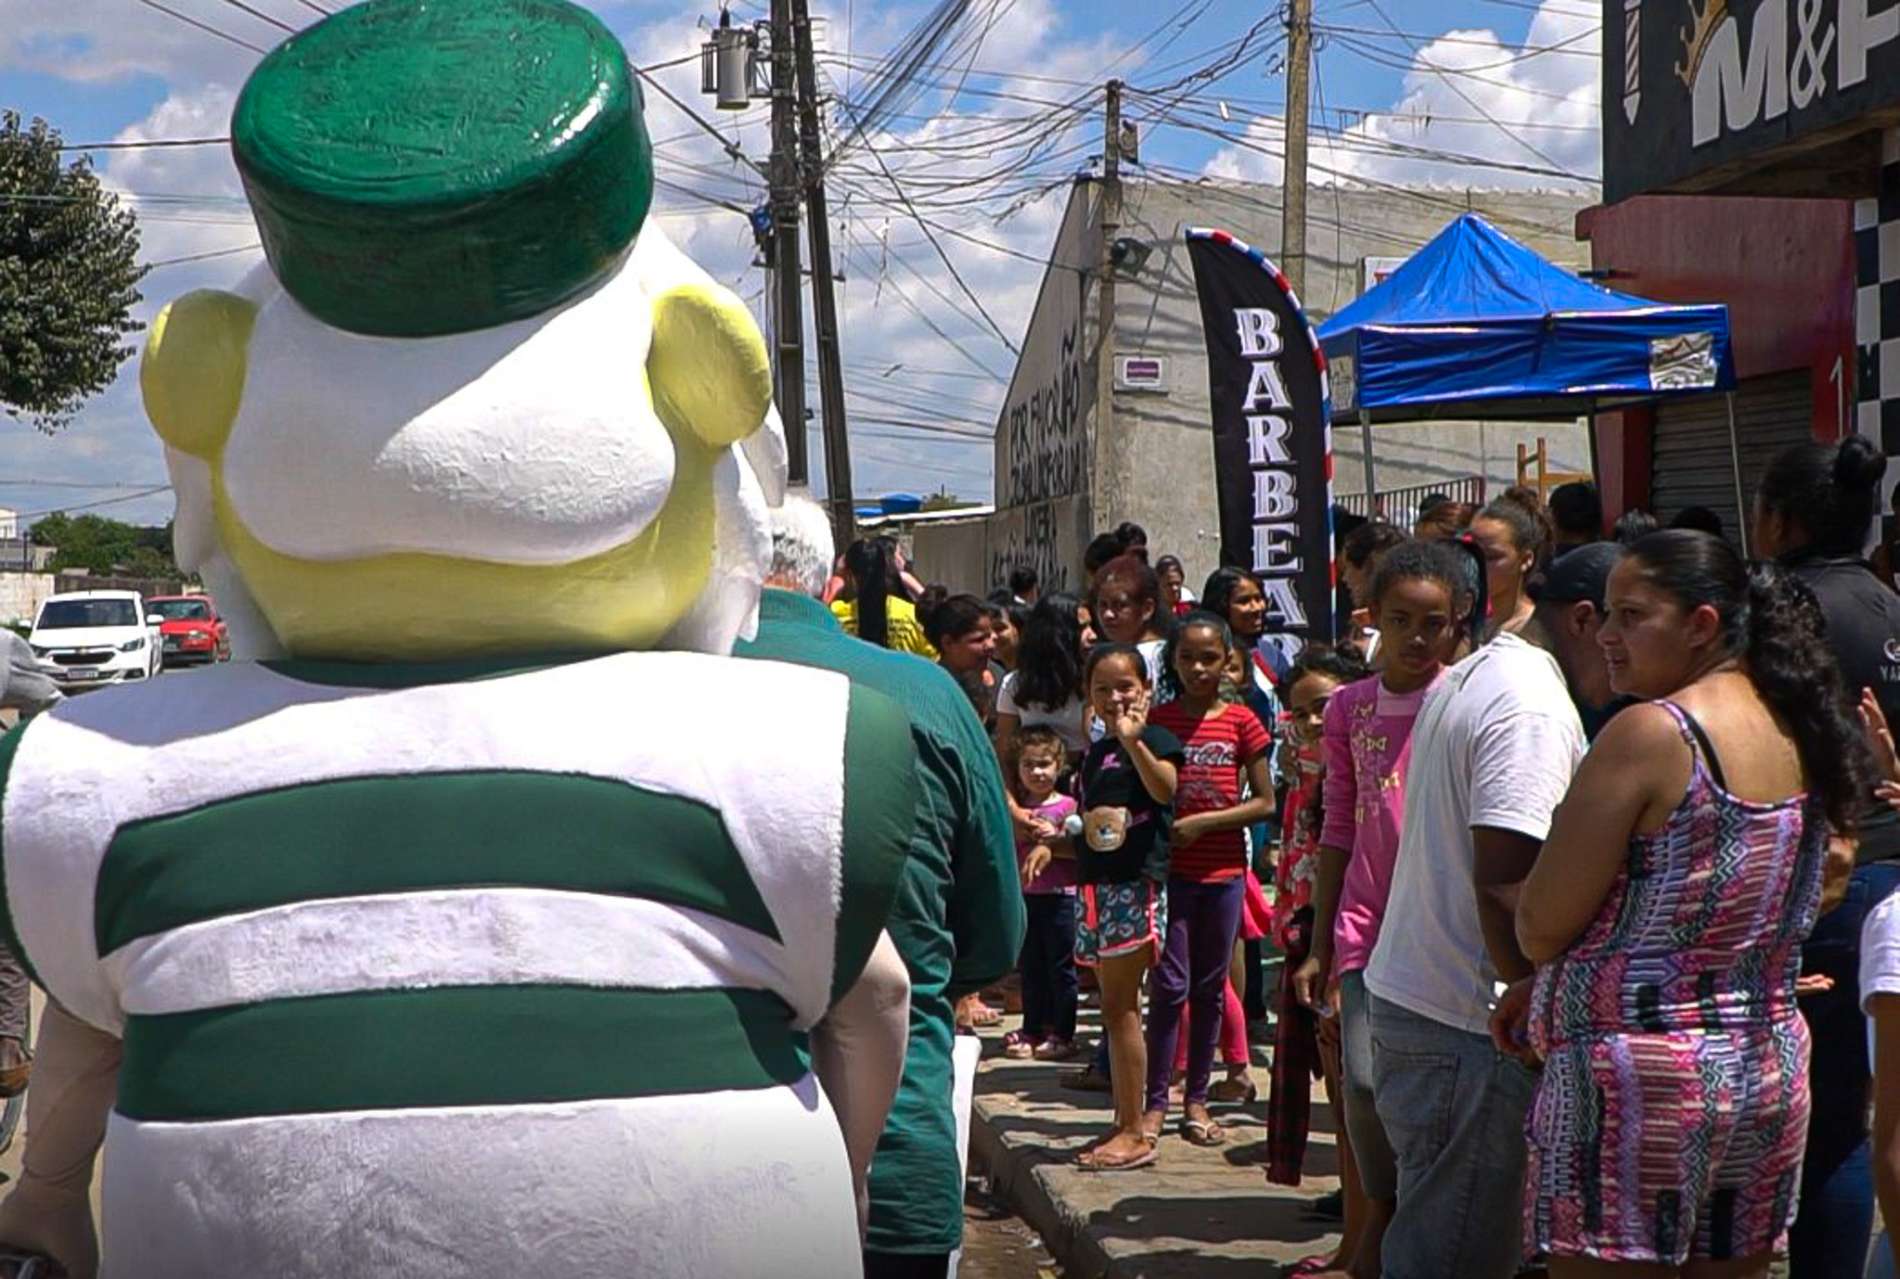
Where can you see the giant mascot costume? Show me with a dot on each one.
(477, 927)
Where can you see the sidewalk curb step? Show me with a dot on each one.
(1015, 1179)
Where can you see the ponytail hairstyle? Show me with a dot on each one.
(1049, 654)
(1773, 624)
(945, 617)
(1457, 565)
(1522, 511)
(874, 570)
(1634, 525)
(1829, 491)
(1199, 618)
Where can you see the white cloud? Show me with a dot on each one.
(98, 41)
(1544, 105)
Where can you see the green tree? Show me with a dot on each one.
(107, 545)
(68, 275)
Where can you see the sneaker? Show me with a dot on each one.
(1058, 1050)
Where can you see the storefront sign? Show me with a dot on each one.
(1690, 85)
(1273, 450)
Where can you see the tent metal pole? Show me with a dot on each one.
(1365, 457)
(1590, 434)
(1735, 463)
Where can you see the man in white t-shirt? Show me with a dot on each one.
(1493, 751)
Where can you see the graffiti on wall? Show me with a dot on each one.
(1034, 537)
(1047, 451)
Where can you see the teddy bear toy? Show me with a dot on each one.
(476, 926)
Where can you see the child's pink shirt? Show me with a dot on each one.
(1368, 741)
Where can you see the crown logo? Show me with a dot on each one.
(1695, 41)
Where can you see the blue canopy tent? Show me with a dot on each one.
(1476, 325)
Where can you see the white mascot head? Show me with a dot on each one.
(474, 403)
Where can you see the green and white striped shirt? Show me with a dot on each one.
(446, 971)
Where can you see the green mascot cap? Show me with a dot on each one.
(422, 167)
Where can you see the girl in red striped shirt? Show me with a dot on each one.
(1226, 746)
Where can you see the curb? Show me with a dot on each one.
(1014, 1179)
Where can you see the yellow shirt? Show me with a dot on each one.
(900, 624)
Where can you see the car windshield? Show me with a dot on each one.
(62, 615)
(181, 610)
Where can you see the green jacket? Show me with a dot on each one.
(957, 919)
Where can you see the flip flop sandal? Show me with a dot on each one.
(1307, 1266)
(1233, 1092)
(1203, 1132)
(1142, 1160)
(982, 1015)
(13, 1079)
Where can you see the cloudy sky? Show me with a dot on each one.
(967, 168)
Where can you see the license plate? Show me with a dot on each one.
(82, 672)
(170, 643)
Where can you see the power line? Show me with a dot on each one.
(142, 144)
(730, 147)
(261, 16)
(89, 506)
(929, 323)
(203, 26)
(935, 244)
(1386, 58)
(1469, 100)
(1523, 54)
(1535, 7)
(146, 485)
(202, 257)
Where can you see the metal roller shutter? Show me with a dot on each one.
(1690, 462)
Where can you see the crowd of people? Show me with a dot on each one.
(1578, 843)
(1579, 853)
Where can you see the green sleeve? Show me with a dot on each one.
(986, 897)
(880, 808)
(9, 936)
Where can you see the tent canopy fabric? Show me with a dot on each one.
(1476, 325)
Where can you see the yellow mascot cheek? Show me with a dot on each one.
(192, 376)
(708, 364)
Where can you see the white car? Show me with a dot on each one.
(85, 639)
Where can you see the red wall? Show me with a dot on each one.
(1784, 266)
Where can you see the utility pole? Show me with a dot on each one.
(1109, 446)
(788, 319)
(1299, 53)
(824, 303)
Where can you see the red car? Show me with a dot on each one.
(191, 630)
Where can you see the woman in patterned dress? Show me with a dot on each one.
(1666, 914)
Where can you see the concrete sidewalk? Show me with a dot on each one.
(1207, 1213)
